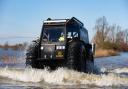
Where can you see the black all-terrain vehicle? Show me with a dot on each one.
(62, 43)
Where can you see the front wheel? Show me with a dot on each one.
(75, 56)
(31, 55)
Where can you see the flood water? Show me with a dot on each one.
(111, 73)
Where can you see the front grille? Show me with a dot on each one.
(48, 52)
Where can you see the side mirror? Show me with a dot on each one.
(34, 41)
(93, 48)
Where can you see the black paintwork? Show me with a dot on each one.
(49, 48)
(73, 22)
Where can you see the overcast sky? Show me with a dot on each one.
(23, 18)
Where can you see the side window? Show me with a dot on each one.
(81, 34)
(69, 35)
(75, 34)
(84, 35)
(72, 34)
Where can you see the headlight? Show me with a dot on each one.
(60, 47)
(63, 47)
(42, 48)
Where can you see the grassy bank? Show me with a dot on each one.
(105, 52)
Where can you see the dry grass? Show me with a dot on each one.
(105, 53)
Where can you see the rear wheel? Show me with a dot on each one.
(90, 64)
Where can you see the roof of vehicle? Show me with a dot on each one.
(50, 21)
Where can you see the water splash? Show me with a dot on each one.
(63, 76)
(121, 70)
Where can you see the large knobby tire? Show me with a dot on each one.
(76, 56)
(31, 55)
(90, 64)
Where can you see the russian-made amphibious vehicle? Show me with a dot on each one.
(62, 43)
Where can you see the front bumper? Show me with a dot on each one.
(50, 63)
(52, 51)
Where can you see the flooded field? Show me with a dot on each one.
(110, 73)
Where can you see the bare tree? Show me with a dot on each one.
(102, 31)
(126, 36)
(110, 36)
(112, 33)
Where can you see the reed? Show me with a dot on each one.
(105, 52)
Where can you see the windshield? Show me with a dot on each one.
(53, 34)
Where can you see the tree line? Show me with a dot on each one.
(19, 46)
(109, 36)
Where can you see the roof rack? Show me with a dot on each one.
(54, 21)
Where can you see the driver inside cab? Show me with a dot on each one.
(61, 38)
